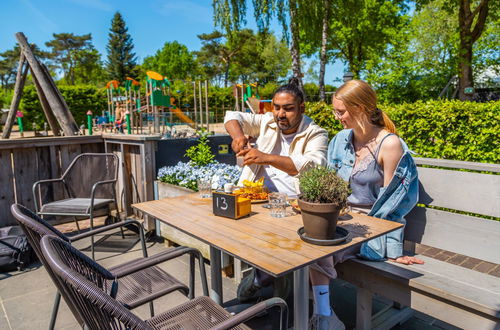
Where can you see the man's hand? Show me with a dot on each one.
(253, 156)
(407, 260)
(239, 144)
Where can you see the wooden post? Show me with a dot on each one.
(16, 98)
(61, 112)
(206, 106)
(195, 106)
(51, 119)
(200, 103)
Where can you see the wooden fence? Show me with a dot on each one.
(25, 161)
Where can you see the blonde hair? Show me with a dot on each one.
(361, 102)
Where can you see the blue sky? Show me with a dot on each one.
(151, 23)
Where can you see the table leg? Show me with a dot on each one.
(301, 298)
(216, 275)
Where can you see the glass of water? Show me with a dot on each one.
(277, 203)
(205, 187)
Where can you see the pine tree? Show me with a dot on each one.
(121, 60)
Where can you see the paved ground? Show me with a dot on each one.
(26, 297)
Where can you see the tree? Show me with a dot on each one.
(230, 14)
(89, 68)
(363, 29)
(420, 60)
(9, 61)
(64, 48)
(174, 60)
(219, 50)
(121, 58)
(471, 22)
(244, 56)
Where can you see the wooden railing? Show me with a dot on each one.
(25, 161)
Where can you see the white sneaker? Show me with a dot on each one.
(322, 322)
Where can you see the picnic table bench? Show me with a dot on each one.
(460, 280)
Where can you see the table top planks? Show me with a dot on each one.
(267, 243)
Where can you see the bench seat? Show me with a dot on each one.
(454, 294)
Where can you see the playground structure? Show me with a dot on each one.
(155, 111)
(248, 99)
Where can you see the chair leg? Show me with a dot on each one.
(191, 276)
(92, 237)
(55, 309)
(77, 225)
(151, 308)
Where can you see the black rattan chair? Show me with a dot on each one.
(86, 189)
(139, 281)
(93, 299)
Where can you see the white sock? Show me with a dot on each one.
(321, 300)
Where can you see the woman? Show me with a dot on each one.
(383, 180)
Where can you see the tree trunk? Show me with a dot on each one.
(322, 55)
(295, 47)
(468, 35)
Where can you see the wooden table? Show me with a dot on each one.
(267, 243)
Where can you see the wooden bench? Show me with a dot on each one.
(444, 287)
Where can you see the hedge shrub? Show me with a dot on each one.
(80, 99)
(441, 129)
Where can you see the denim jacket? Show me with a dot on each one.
(393, 201)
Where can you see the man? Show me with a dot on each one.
(287, 141)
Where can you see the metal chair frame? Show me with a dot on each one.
(97, 307)
(90, 213)
(36, 228)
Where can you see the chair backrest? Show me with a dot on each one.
(449, 199)
(35, 228)
(87, 169)
(98, 309)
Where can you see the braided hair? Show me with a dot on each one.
(293, 88)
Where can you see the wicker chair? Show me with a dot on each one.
(140, 281)
(86, 189)
(93, 298)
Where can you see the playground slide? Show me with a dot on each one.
(182, 116)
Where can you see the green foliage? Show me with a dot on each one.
(80, 99)
(322, 185)
(322, 114)
(440, 129)
(243, 56)
(121, 58)
(456, 130)
(65, 49)
(362, 30)
(9, 61)
(201, 154)
(174, 61)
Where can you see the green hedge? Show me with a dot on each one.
(441, 129)
(79, 98)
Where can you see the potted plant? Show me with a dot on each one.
(322, 195)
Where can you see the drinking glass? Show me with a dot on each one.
(277, 203)
(205, 187)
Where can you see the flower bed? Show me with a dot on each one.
(187, 174)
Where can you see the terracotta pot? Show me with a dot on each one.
(320, 219)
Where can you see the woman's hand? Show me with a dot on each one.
(407, 260)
